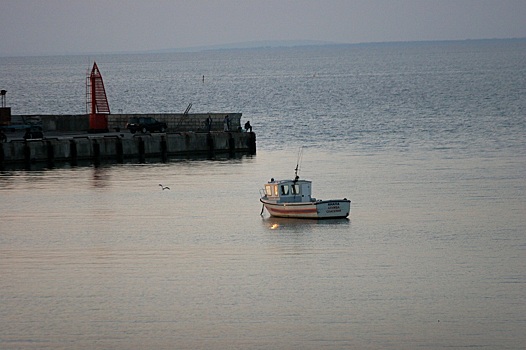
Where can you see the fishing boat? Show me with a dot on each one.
(293, 199)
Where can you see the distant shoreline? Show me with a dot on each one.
(263, 45)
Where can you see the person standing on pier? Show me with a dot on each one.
(226, 123)
(209, 123)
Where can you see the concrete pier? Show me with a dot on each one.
(118, 147)
(66, 139)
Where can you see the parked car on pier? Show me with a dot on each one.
(33, 133)
(145, 124)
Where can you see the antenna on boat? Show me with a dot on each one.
(300, 156)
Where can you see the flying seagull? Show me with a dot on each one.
(164, 187)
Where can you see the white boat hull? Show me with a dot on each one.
(328, 209)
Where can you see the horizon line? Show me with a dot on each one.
(253, 45)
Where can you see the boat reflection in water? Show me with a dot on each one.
(292, 224)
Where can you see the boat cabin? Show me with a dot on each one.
(289, 191)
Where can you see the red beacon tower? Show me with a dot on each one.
(96, 101)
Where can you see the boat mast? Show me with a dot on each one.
(300, 156)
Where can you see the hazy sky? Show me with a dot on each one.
(90, 26)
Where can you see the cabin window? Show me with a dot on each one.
(276, 190)
(268, 190)
(284, 189)
(295, 189)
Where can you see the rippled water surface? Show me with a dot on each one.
(426, 140)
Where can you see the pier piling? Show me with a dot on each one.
(119, 147)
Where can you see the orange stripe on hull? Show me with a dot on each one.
(293, 211)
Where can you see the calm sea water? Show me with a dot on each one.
(427, 140)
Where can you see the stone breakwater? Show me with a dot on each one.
(119, 147)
